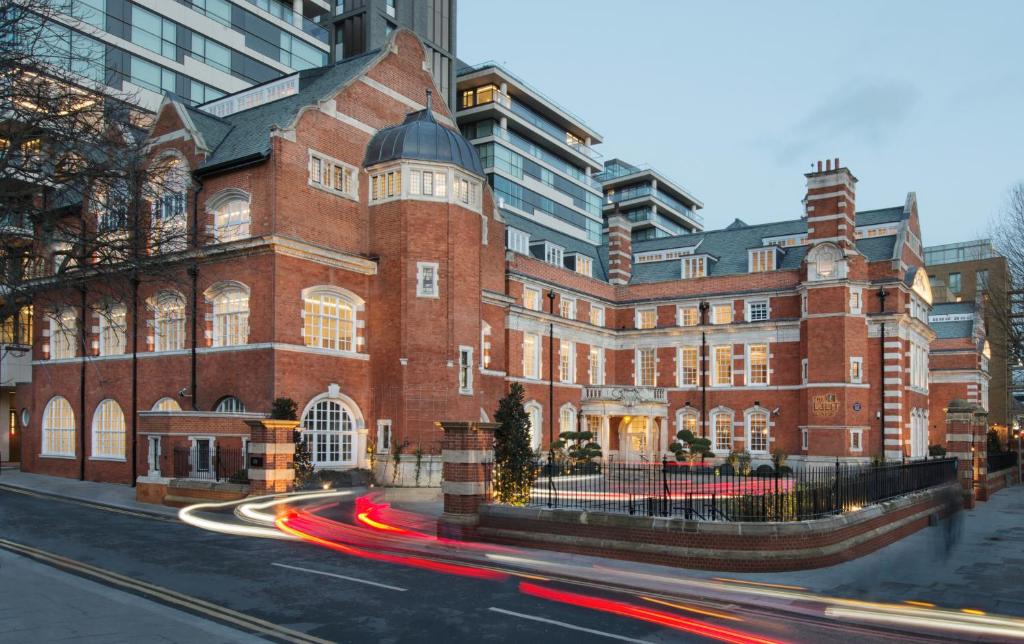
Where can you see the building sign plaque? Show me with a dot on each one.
(825, 405)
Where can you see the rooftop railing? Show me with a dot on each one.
(635, 192)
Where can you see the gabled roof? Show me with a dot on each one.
(881, 216)
(571, 244)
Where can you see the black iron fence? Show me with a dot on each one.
(1001, 460)
(723, 493)
(203, 462)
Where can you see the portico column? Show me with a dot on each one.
(362, 460)
(650, 438)
(664, 435)
(605, 436)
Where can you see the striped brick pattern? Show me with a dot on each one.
(467, 451)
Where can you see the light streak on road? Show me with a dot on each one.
(249, 508)
(699, 611)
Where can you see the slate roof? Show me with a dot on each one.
(537, 232)
(881, 216)
(420, 137)
(953, 329)
(952, 308)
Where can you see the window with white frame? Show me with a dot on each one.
(168, 321)
(596, 376)
(723, 432)
(231, 220)
(328, 428)
(856, 304)
(646, 367)
(485, 345)
(426, 280)
(567, 419)
(566, 361)
(333, 175)
(531, 298)
(230, 405)
(113, 328)
(687, 316)
(757, 310)
(857, 370)
(517, 241)
(803, 371)
(762, 260)
(166, 404)
(804, 439)
(58, 428)
(63, 334)
(554, 254)
(386, 185)
(686, 420)
(567, 307)
(427, 183)
(108, 431)
(688, 361)
(169, 221)
(803, 304)
(721, 313)
(584, 265)
(383, 445)
(723, 365)
(328, 321)
(230, 317)
(597, 315)
(693, 267)
(646, 318)
(465, 370)
(465, 190)
(531, 355)
(856, 440)
(757, 432)
(536, 415)
(757, 364)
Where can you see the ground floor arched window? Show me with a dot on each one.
(535, 413)
(328, 429)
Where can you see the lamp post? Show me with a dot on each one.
(1020, 461)
(551, 370)
(704, 306)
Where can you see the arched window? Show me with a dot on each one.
(722, 422)
(567, 419)
(230, 405)
(167, 404)
(329, 430)
(485, 345)
(758, 438)
(230, 315)
(168, 321)
(231, 219)
(58, 428)
(168, 192)
(536, 414)
(113, 327)
(686, 418)
(64, 334)
(329, 320)
(108, 431)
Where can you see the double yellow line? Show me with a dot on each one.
(165, 595)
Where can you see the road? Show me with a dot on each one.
(295, 591)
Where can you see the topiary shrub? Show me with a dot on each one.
(283, 409)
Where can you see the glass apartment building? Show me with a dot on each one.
(656, 206)
(538, 156)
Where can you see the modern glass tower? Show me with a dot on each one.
(657, 206)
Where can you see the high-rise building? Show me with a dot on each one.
(198, 50)
(359, 26)
(657, 206)
(538, 156)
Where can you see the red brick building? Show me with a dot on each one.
(960, 357)
(350, 256)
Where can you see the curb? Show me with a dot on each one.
(109, 506)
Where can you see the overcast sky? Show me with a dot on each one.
(735, 100)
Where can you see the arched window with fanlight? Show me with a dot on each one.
(567, 419)
(535, 413)
(230, 313)
(329, 318)
(231, 217)
(328, 428)
(722, 421)
(108, 431)
(166, 404)
(687, 419)
(58, 428)
(758, 431)
(230, 405)
(168, 309)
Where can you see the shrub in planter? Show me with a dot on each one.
(576, 450)
(689, 447)
(938, 451)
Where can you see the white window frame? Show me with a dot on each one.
(859, 434)
(383, 442)
(584, 265)
(65, 331)
(536, 356)
(681, 363)
(714, 366)
(535, 412)
(566, 361)
(755, 263)
(857, 365)
(597, 315)
(693, 267)
(596, 373)
(230, 306)
(749, 312)
(682, 311)
(730, 422)
(723, 305)
(570, 302)
(554, 254)
(113, 330)
(230, 222)
(856, 301)
(325, 166)
(804, 371)
(168, 330)
(108, 441)
(748, 433)
(62, 438)
(767, 365)
(651, 311)
(386, 185)
(529, 293)
(517, 241)
(153, 455)
(329, 319)
(422, 269)
(640, 351)
(805, 439)
(465, 370)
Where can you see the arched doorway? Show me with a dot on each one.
(331, 427)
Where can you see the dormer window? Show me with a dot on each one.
(762, 260)
(518, 241)
(695, 266)
(554, 254)
(581, 264)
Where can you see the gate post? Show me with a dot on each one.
(271, 451)
(965, 439)
(467, 452)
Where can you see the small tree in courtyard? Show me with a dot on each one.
(578, 449)
(689, 447)
(514, 470)
(302, 462)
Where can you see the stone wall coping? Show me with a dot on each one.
(246, 416)
(189, 484)
(464, 424)
(737, 528)
(271, 423)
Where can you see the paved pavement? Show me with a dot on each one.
(41, 605)
(112, 495)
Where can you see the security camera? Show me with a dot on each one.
(776, 411)
(183, 392)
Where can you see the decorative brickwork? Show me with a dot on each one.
(467, 452)
(271, 451)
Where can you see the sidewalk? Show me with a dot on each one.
(112, 495)
(41, 604)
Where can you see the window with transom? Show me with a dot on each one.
(329, 321)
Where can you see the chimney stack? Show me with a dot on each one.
(620, 248)
(830, 204)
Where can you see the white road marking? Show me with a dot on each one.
(346, 578)
(572, 627)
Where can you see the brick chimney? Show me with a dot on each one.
(620, 248)
(830, 205)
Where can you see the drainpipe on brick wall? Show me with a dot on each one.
(193, 272)
(135, 375)
(81, 385)
(551, 370)
(881, 294)
(704, 306)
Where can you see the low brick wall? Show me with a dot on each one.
(746, 547)
(995, 481)
(178, 493)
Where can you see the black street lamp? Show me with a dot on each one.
(551, 370)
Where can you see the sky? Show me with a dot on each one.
(735, 100)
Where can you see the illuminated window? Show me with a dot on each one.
(166, 404)
(168, 321)
(336, 176)
(584, 265)
(386, 185)
(762, 260)
(723, 432)
(531, 298)
(108, 431)
(58, 428)
(856, 370)
(168, 214)
(567, 307)
(430, 184)
(328, 429)
(231, 220)
(329, 321)
(723, 365)
(694, 267)
(567, 419)
(757, 310)
(757, 364)
(63, 334)
(757, 433)
(688, 366)
(596, 366)
(646, 370)
(113, 326)
(721, 314)
(230, 317)
(536, 416)
(531, 355)
(485, 345)
(230, 405)
(688, 316)
(687, 420)
(646, 318)
(597, 315)
(566, 361)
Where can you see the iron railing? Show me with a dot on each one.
(722, 493)
(1001, 461)
(202, 462)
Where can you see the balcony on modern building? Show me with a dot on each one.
(308, 15)
(969, 251)
(488, 90)
(650, 200)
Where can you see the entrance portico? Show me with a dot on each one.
(630, 423)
